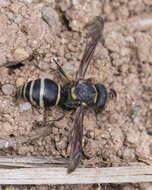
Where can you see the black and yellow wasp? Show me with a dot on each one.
(78, 94)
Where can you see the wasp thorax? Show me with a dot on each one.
(84, 91)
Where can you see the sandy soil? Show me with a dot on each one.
(55, 29)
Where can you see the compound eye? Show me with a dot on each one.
(102, 96)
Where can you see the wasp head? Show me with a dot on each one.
(102, 96)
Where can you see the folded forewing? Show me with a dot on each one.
(76, 140)
(93, 36)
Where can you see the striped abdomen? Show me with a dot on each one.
(41, 92)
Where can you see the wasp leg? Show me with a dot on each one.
(60, 117)
(98, 119)
(62, 71)
(56, 120)
(45, 116)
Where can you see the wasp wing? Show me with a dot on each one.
(76, 139)
(93, 36)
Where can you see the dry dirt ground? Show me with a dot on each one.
(55, 29)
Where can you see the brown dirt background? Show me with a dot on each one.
(123, 63)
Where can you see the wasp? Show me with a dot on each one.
(78, 94)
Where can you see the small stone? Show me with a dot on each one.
(32, 1)
(138, 108)
(125, 51)
(26, 106)
(129, 154)
(127, 187)
(114, 42)
(64, 5)
(29, 1)
(20, 54)
(61, 144)
(136, 113)
(136, 120)
(123, 12)
(67, 56)
(107, 9)
(51, 1)
(8, 89)
(55, 130)
(132, 136)
(4, 3)
(149, 188)
(150, 106)
(44, 66)
(147, 2)
(90, 134)
(51, 17)
(17, 19)
(91, 149)
(20, 81)
(3, 39)
(144, 46)
(69, 69)
(145, 186)
(9, 119)
(74, 2)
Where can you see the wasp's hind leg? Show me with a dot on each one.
(98, 118)
(60, 117)
(42, 117)
(45, 116)
(56, 120)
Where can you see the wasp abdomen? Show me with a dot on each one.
(41, 92)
